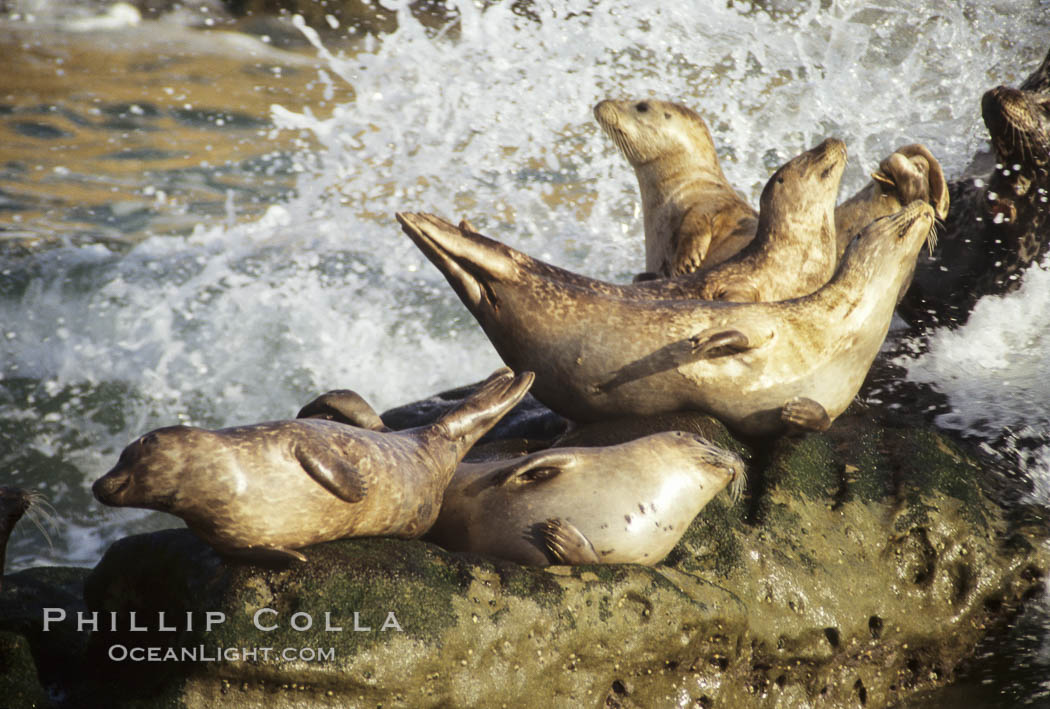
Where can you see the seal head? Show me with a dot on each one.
(693, 216)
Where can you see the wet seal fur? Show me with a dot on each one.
(693, 216)
(999, 223)
(796, 236)
(600, 351)
(263, 491)
(626, 503)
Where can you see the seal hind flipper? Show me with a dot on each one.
(805, 414)
(333, 473)
(487, 405)
(343, 406)
(914, 173)
(566, 543)
(705, 345)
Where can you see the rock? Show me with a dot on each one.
(19, 684)
(30, 657)
(865, 564)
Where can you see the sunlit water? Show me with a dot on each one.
(292, 276)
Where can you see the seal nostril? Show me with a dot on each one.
(641, 107)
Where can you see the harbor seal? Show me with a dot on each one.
(627, 503)
(999, 223)
(601, 351)
(693, 217)
(263, 491)
(795, 235)
(14, 504)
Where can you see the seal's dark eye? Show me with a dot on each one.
(780, 180)
(667, 116)
(540, 474)
(641, 107)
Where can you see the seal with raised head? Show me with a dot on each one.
(693, 217)
(999, 223)
(601, 351)
(796, 236)
(264, 490)
(627, 503)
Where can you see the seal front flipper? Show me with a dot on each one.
(567, 544)
(692, 240)
(708, 344)
(332, 472)
(805, 414)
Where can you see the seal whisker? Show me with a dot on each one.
(42, 514)
(736, 487)
(931, 238)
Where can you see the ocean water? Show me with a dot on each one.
(255, 262)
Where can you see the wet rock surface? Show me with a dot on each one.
(862, 567)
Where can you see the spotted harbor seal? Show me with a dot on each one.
(14, 504)
(693, 217)
(999, 223)
(264, 490)
(601, 351)
(796, 235)
(627, 503)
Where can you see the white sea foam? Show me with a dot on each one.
(492, 120)
(996, 375)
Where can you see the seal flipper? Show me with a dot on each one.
(691, 249)
(343, 406)
(566, 543)
(333, 473)
(708, 344)
(936, 185)
(805, 414)
(483, 409)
